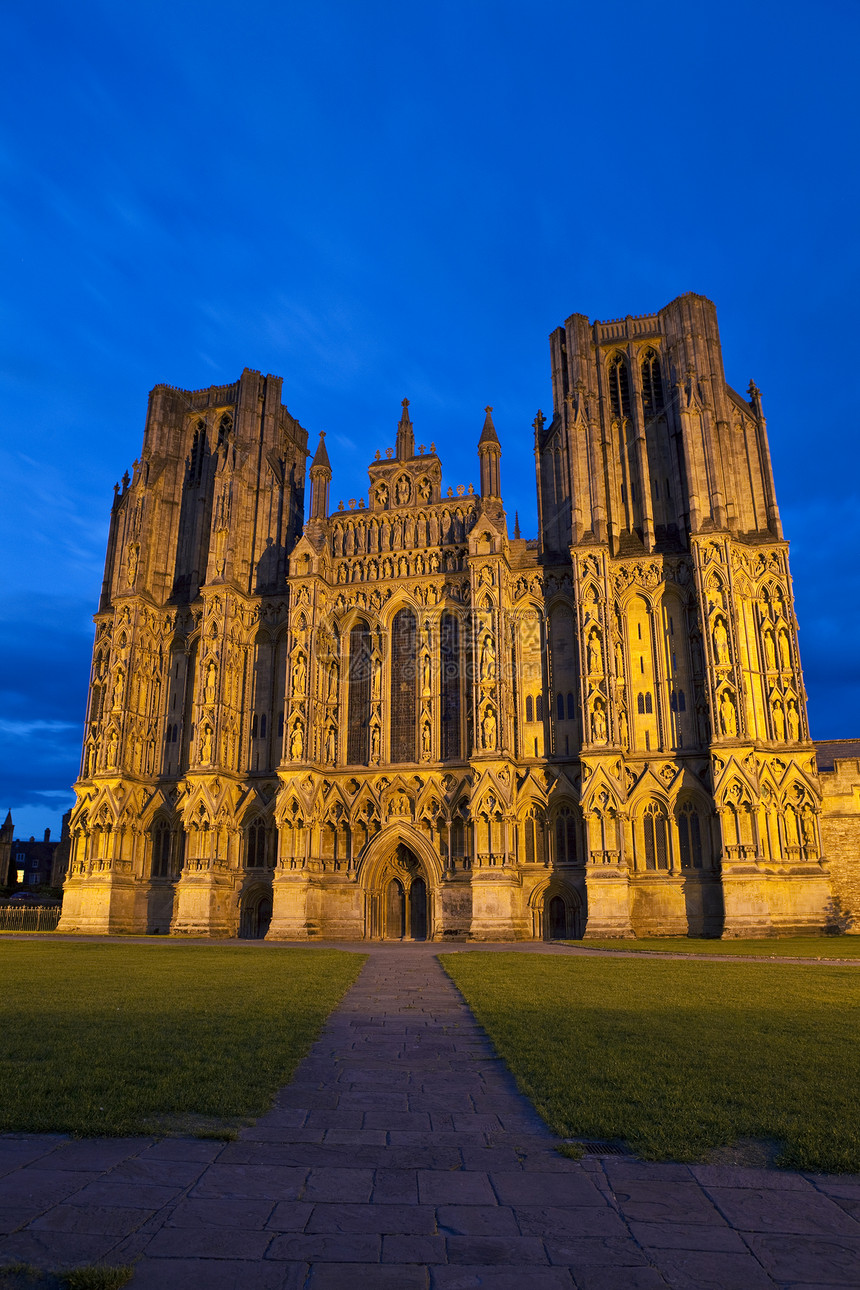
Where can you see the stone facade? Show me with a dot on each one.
(397, 721)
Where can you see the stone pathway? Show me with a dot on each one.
(403, 1156)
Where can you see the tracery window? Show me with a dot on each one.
(656, 846)
(358, 703)
(565, 836)
(530, 708)
(571, 707)
(449, 652)
(161, 849)
(539, 708)
(403, 687)
(619, 386)
(690, 837)
(652, 384)
(644, 702)
(257, 845)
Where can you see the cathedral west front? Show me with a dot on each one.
(395, 718)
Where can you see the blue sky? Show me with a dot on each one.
(376, 200)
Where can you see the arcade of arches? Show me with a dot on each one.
(394, 718)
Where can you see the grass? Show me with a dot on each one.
(678, 1059)
(792, 947)
(96, 1276)
(123, 1039)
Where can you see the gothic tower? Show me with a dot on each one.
(699, 778)
(182, 734)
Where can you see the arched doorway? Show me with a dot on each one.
(557, 915)
(562, 915)
(256, 914)
(398, 901)
(395, 911)
(418, 909)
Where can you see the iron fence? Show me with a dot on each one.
(29, 918)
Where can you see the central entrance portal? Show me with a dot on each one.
(398, 909)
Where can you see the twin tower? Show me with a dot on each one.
(394, 720)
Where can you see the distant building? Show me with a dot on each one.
(25, 864)
(397, 721)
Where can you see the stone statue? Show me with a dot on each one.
(488, 658)
(297, 744)
(622, 727)
(131, 564)
(778, 721)
(425, 740)
(488, 726)
(784, 652)
(769, 651)
(619, 659)
(209, 694)
(598, 724)
(374, 744)
(721, 643)
(376, 683)
(332, 683)
(402, 491)
(424, 490)
(595, 653)
(728, 715)
(382, 495)
(331, 745)
(425, 674)
(206, 745)
(299, 675)
(793, 721)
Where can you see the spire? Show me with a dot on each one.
(488, 434)
(8, 827)
(516, 525)
(405, 434)
(320, 478)
(489, 451)
(321, 456)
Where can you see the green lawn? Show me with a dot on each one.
(679, 1058)
(787, 947)
(120, 1039)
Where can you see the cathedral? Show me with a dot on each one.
(393, 719)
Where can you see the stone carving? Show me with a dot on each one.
(297, 743)
(784, 652)
(793, 721)
(488, 727)
(595, 653)
(721, 643)
(778, 721)
(598, 723)
(728, 715)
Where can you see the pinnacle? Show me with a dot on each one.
(488, 434)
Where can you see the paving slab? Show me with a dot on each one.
(403, 1156)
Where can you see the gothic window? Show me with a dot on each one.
(449, 649)
(360, 666)
(403, 688)
(530, 708)
(257, 845)
(619, 386)
(539, 708)
(656, 848)
(559, 704)
(224, 427)
(161, 840)
(690, 837)
(530, 841)
(565, 836)
(458, 837)
(652, 384)
(198, 452)
(679, 701)
(571, 707)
